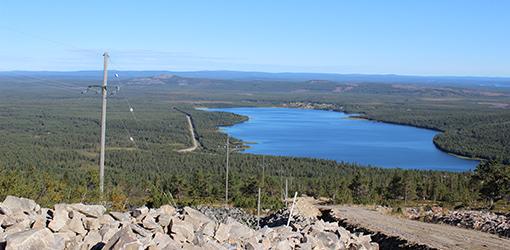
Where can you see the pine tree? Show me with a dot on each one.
(359, 187)
(495, 179)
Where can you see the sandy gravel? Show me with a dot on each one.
(416, 232)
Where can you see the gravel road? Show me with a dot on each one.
(416, 232)
(192, 131)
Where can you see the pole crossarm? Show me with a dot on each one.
(105, 88)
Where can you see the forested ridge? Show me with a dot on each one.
(49, 148)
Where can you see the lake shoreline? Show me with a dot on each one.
(393, 123)
(332, 139)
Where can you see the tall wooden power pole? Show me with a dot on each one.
(104, 92)
(226, 181)
(103, 128)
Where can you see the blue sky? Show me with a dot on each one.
(406, 37)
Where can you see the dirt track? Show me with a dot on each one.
(192, 131)
(416, 232)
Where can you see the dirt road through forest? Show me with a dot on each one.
(416, 232)
(194, 140)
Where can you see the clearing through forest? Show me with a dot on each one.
(192, 131)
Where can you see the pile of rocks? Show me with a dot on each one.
(25, 225)
(484, 221)
(219, 214)
(303, 213)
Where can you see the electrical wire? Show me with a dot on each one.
(71, 87)
(132, 111)
(49, 82)
(134, 142)
(49, 40)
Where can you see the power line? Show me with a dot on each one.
(61, 84)
(73, 88)
(132, 111)
(49, 40)
(133, 141)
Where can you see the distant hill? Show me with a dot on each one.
(263, 76)
(169, 81)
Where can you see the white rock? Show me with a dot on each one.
(282, 245)
(91, 223)
(121, 216)
(92, 238)
(62, 240)
(26, 205)
(240, 231)
(105, 218)
(167, 209)
(60, 217)
(74, 214)
(141, 211)
(76, 225)
(328, 239)
(38, 238)
(37, 221)
(162, 240)
(209, 228)
(183, 230)
(123, 239)
(164, 219)
(213, 245)
(196, 215)
(107, 231)
(89, 210)
(18, 227)
(222, 233)
(5, 210)
(149, 223)
(140, 230)
(15, 217)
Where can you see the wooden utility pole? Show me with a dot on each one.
(258, 211)
(281, 180)
(226, 182)
(290, 178)
(286, 191)
(104, 92)
(263, 165)
(103, 128)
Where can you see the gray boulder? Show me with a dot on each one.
(124, 239)
(89, 210)
(26, 205)
(37, 238)
(123, 217)
(76, 225)
(60, 217)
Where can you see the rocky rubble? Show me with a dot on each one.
(25, 225)
(484, 221)
(219, 214)
(303, 213)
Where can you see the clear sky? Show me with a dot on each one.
(406, 37)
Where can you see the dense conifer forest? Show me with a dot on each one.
(49, 143)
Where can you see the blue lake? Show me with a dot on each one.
(328, 135)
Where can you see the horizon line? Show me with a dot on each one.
(264, 72)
